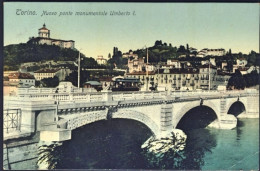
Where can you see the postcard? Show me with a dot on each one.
(115, 85)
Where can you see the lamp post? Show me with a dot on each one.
(79, 70)
(209, 74)
(147, 70)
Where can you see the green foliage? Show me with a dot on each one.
(16, 54)
(237, 81)
(252, 79)
(50, 82)
(117, 59)
(73, 78)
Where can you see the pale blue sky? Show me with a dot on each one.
(201, 25)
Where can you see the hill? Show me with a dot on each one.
(16, 54)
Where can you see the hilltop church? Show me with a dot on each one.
(44, 38)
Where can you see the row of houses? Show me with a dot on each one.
(182, 78)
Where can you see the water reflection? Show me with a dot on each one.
(198, 142)
(116, 144)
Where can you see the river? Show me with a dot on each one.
(116, 144)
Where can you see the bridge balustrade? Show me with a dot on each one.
(35, 94)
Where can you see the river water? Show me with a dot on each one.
(116, 144)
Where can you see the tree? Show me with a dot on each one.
(181, 49)
(236, 81)
(73, 78)
(187, 46)
(50, 82)
(158, 43)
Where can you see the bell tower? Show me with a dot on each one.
(44, 32)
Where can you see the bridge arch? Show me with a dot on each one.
(189, 106)
(138, 116)
(236, 107)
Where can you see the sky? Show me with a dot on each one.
(232, 26)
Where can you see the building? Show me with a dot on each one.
(241, 66)
(93, 84)
(216, 52)
(211, 52)
(181, 78)
(17, 79)
(61, 73)
(101, 60)
(44, 38)
(207, 76)
(202, 53)
(136, 65)
(241, 62)
(212, 61)
(130, 55)
(224, 65)
(22, 79)
(173, 62)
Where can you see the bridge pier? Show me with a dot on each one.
(28, 120)
(166, 119)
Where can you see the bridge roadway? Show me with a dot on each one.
(57, 114)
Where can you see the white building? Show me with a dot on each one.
(211, 52)
(46, 73)
(241, 62)
(216, 52)
(212, 61)
(101, 60)
(130, 54)
(241, 66)
(174, 62)
(138, 65)
(44, 38)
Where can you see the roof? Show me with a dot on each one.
(43, 27)
(207, 66)
(179, 71)
(141, 73)
(127, 80)
(105, 79)
(93, 83)
(19, 75)
(223, 73)
(53, 40)
(47, 70)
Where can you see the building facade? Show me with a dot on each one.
(211, 52)
(15, 80)
(44, 38)
(46, 73)
(101, 60)
(22, 79)
(182, 78)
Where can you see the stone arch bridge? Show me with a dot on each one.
(55, 115)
